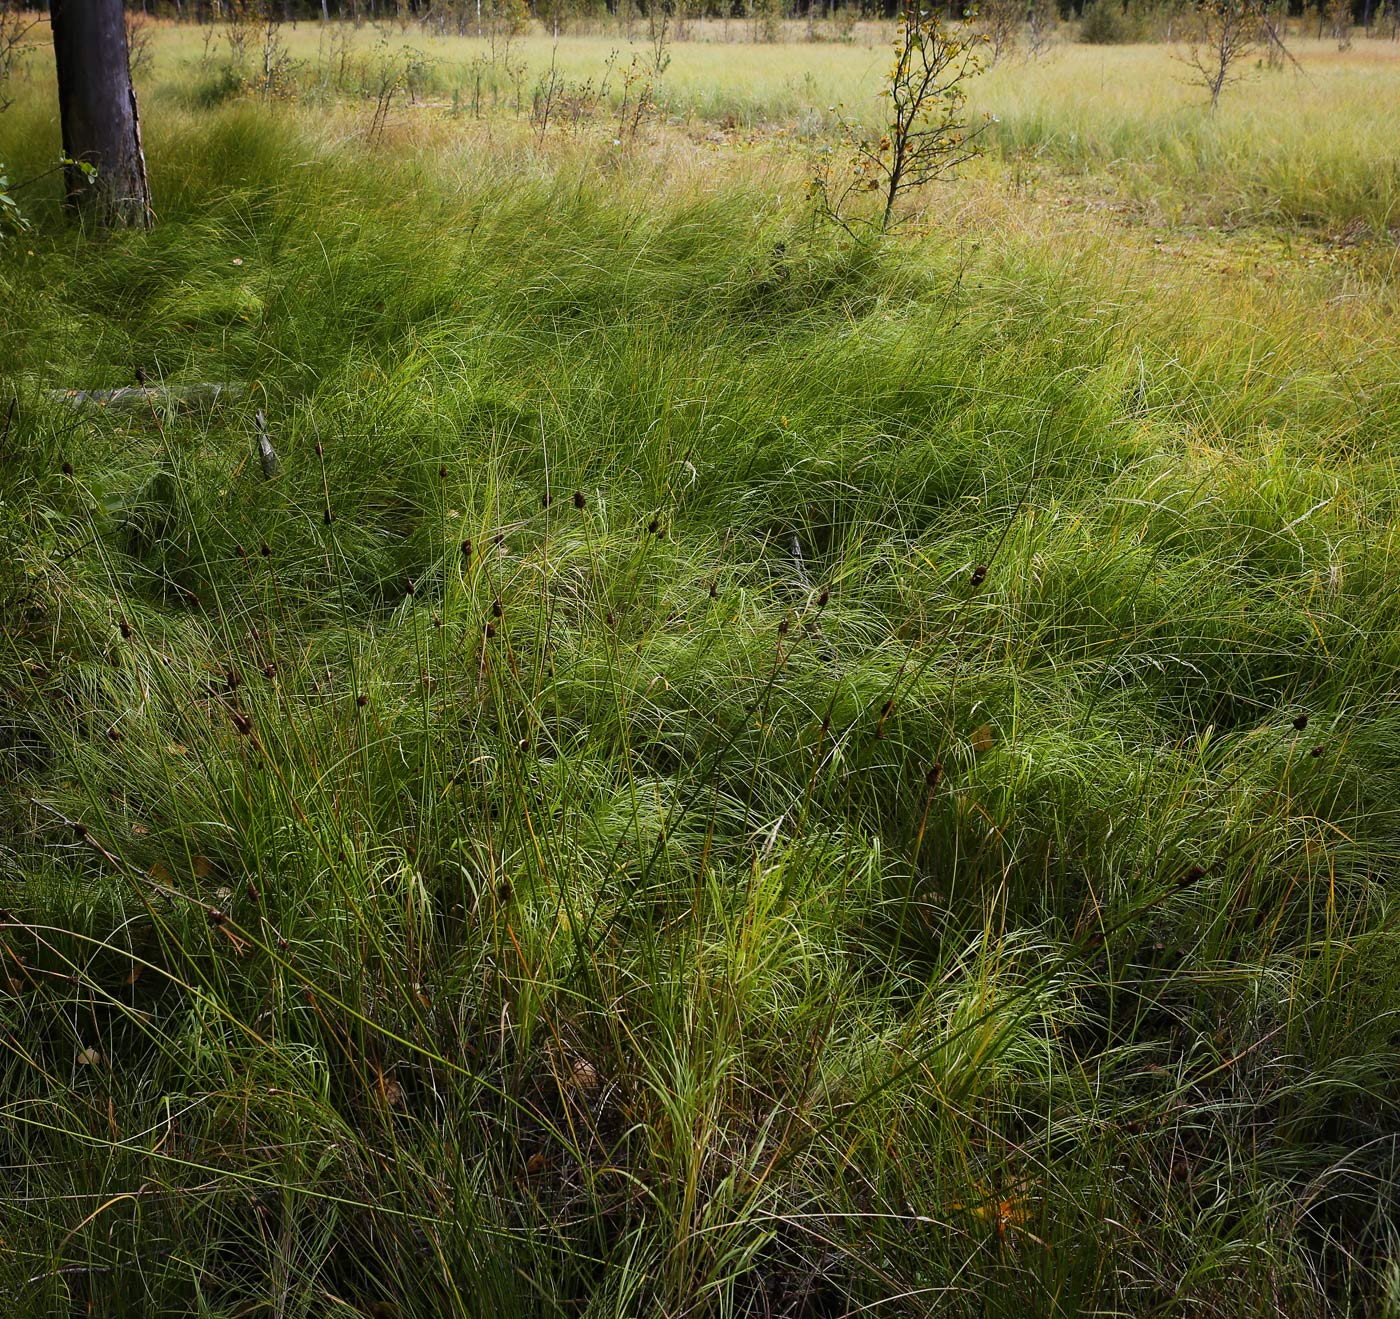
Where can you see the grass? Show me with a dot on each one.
(729, 771)
(1304, 147)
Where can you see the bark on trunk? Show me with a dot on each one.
(97, 105)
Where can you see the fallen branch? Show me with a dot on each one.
(138, 397)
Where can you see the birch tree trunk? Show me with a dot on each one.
(97, 107)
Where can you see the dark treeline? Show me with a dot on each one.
(450, 14)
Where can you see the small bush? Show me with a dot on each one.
(1107, 23)
(214, 88)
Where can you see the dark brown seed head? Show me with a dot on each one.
(496, 608)
(282, 943)
(442, 472)
(234, 678)
(242, 723)
(114, 734)
(79, 829)
(265, 550)
(524, 744)
(490, 631)
(269, 671)
(654, 526)
(1315, 752)
(408, 586)
(546, 499)
(826, 724)
(362, 700)
(934, 774)
(216, 917)
(240, 551)
(979, 574)
(500, 540)
(610, 618)
(887, 708)
(1301, 722)
(67, 468)
(714, 590)
(824, 598)
(1190, 876)
(503, 891)
(320, 449)
(466, 549)
(327, 516)
(125, 629)
(437, 620)
(783, 625)
(579, 500)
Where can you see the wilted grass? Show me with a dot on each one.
(726, 772)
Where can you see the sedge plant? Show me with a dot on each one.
(722, 773)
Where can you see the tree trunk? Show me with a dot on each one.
(97, 105)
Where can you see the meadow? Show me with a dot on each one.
(725, 768)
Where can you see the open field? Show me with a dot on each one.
(728, 770)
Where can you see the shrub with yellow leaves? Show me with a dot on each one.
(928, 132)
